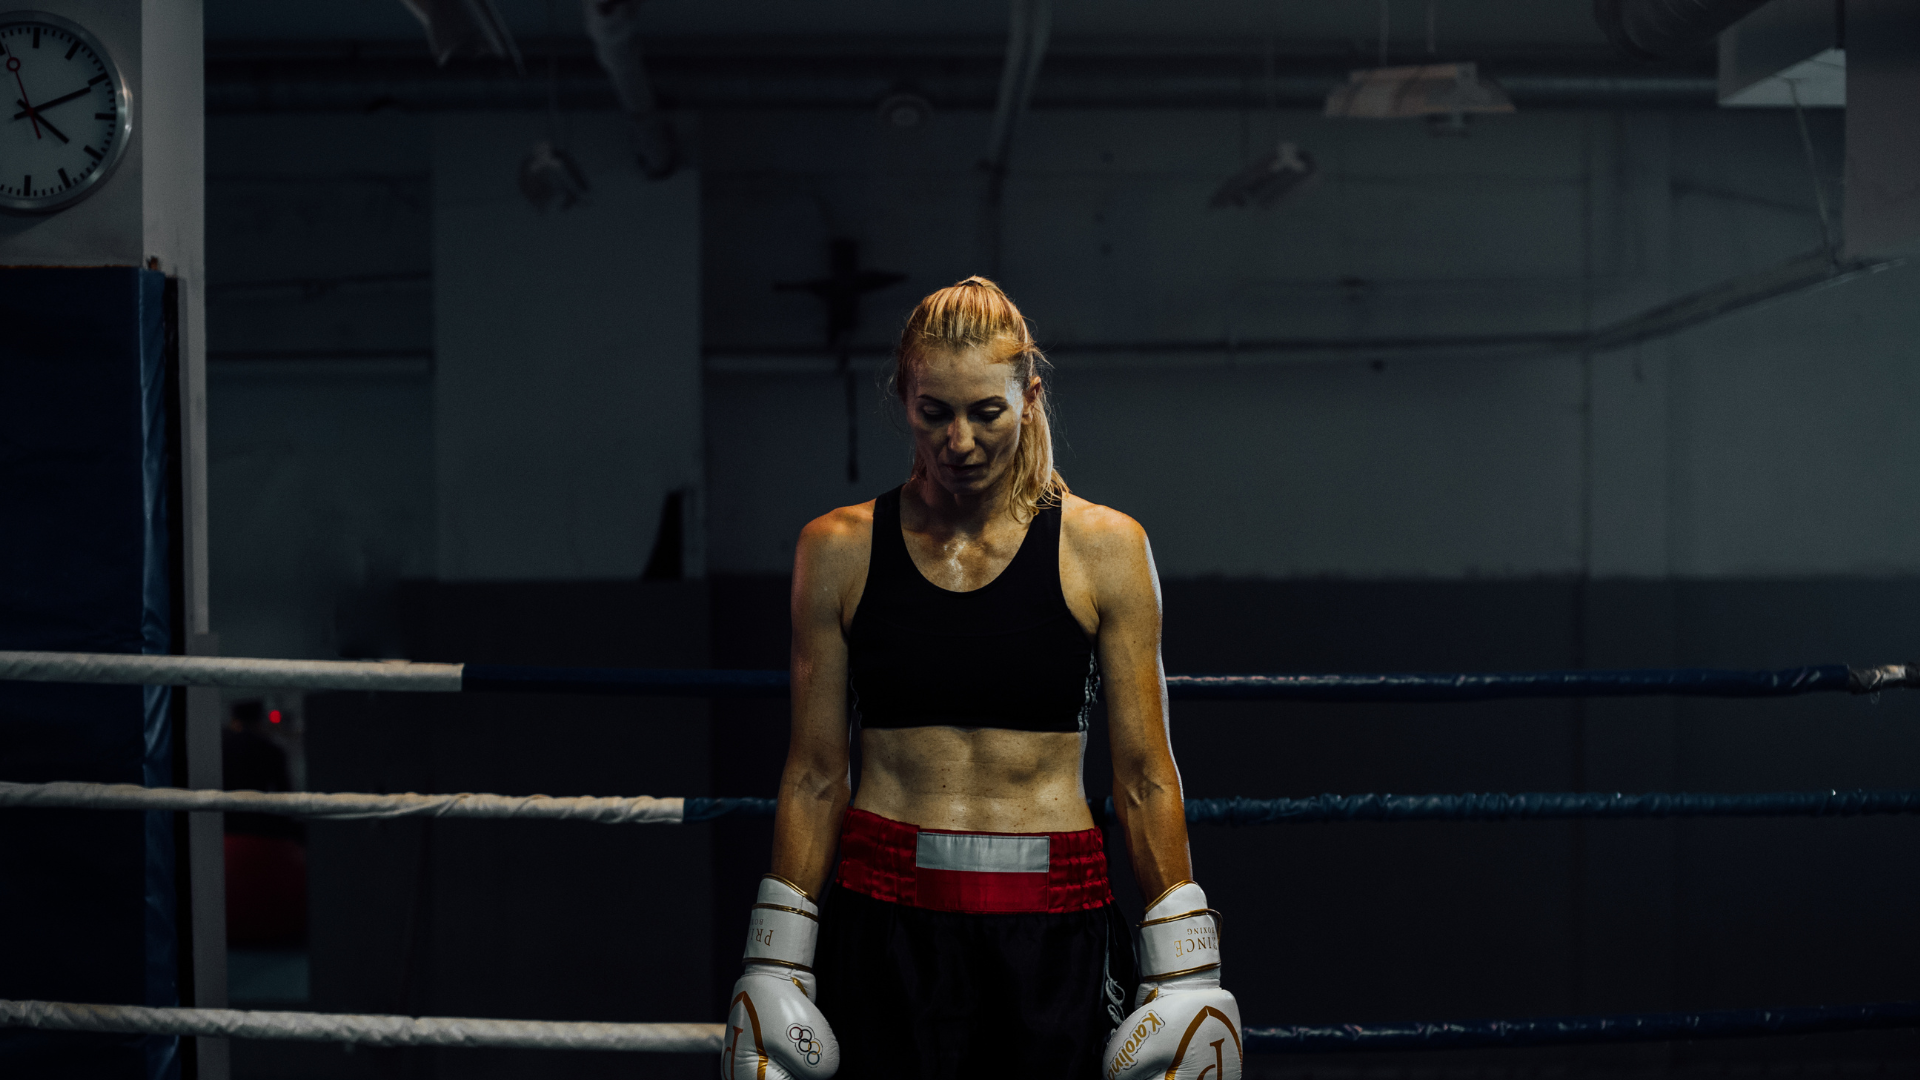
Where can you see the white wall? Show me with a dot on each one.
(1776, 442)
(567, 373)
(1779, 442)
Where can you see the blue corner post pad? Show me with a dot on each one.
(708, 809)
(88, 461)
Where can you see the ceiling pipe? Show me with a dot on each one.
(1026, 48)
(614, 28)
(1667, 29)
(348, 77)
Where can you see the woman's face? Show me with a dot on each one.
(966, 413)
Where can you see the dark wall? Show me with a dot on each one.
(1436, 921)
(526, 920)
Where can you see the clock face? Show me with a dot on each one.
(64, 117)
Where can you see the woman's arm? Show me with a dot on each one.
(1146, 783)
(815, 787)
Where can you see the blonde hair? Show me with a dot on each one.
(975, 314)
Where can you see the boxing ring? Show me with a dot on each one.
(402, 676)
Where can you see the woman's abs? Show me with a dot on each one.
(975, 779)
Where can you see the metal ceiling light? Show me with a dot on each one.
(1397, 93)
(1267, 180)
(1448, 91)
(465, 27)
(904, 110)
(550, 178)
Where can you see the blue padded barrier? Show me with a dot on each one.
(630, 682)
(85, 565)
(1546, 805)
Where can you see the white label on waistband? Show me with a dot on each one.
(982, 853)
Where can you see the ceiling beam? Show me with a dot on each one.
(836, 74)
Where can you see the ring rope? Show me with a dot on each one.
(707, 1038)
(1571, 1030)
(1547, 805)
(647, 810)
(404, 675)
(366, 1030)
(635, 810)
(229, 671)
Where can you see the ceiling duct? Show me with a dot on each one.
(614, 27)
(1667, 29)
(1788, 53)
(1395, 93)
(465, 28)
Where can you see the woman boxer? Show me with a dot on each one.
(970, 615)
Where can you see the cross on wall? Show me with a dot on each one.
(840, 291)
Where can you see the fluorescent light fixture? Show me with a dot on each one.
(1398, 93)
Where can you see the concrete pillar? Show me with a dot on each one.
(150, 212)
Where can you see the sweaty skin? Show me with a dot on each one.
(966, 414)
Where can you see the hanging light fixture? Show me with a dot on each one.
(1396, 93)
(1446, 92)
(1267, 180)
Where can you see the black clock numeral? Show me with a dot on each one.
(97, 79)
(91, 152)
(103, 116)
(75, 49)
(64, 182)
(36, 37)
(27, 185)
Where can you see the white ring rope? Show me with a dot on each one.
(367, 1030)
(634, 810)
(229, 671)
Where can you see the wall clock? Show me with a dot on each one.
(65, 116)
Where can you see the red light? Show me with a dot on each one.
(273, 717)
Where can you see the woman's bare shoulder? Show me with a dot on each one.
(845, 533)
(1099, 530)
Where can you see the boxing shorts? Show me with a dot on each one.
(947, 955)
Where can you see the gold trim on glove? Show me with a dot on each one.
(1180, 1055)
(811, 899)
(795, 910)
(782, 963)
(1172, 974)
(1169, 891)
(1169, 918)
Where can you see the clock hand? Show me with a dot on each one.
(41, 120)
(13, 65)
(45, 105)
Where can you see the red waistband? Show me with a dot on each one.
(983, 873)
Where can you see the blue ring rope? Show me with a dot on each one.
(1685, 682)
(1570, 1030)
(1546, 805)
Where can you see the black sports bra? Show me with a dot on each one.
(1009, 654)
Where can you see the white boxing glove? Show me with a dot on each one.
(774, 1030)
(1184, 1026)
